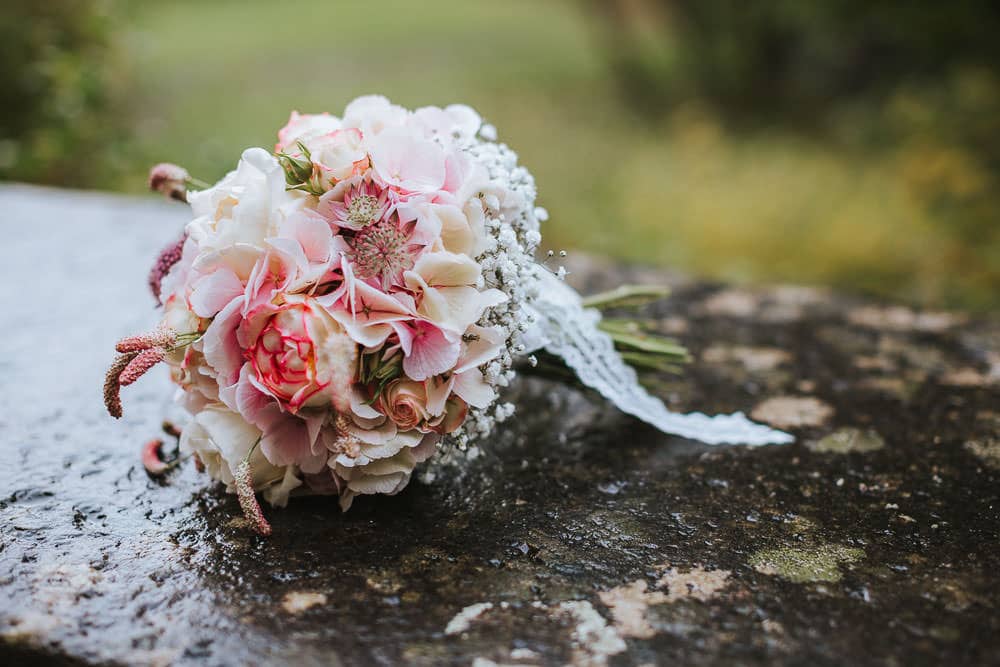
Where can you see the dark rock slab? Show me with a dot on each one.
(577, 535)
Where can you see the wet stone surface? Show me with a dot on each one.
(577, 536)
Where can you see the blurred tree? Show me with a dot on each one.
(789, 56)
(57, 65)
(915, 85)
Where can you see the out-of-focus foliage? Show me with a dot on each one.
(895, 106)
(58, 69)
(788, 56)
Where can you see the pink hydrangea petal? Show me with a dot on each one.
(405, 161)
(312, 233)
(287, 441)
(472, 388)
(277, 268)
(220, 346)
(458, 167)
(405, 335)
(457, 231)
(484, 344)
(446, 269)
(438, 391)
(432, 352)
(211, 293)
(368, 335)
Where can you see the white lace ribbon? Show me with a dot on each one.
(565, 328)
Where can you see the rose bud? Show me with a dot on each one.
(297, 169)
(170, 180)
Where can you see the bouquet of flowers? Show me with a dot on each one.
(340, 307)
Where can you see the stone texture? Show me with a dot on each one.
(578, 535)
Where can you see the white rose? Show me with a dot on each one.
(245, 207)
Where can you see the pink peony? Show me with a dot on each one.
(282, 367)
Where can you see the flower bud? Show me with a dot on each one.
(298, 170)
(170, 180)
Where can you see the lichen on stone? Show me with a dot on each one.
(848, 440)
(793, 411)
(987, 450)
(820, 563)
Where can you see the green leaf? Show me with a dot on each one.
(626, 296)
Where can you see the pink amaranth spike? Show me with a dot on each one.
(248, 501)
(168, 257)
(164, 338)
(142, 363)
(112, 385)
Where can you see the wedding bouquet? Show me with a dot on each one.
(341, 307)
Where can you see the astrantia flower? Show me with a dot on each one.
(355, 204)
(382, 251)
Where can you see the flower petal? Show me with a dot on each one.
(432, 352)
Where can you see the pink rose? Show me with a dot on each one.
(405, 403)
(408, 405)
(340, 154)
(299, 354)
(305, 127)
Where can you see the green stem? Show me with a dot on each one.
(626, 295)
(183, 340)
(253, 448)
(639, 348)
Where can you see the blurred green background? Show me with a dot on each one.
(854, 144)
